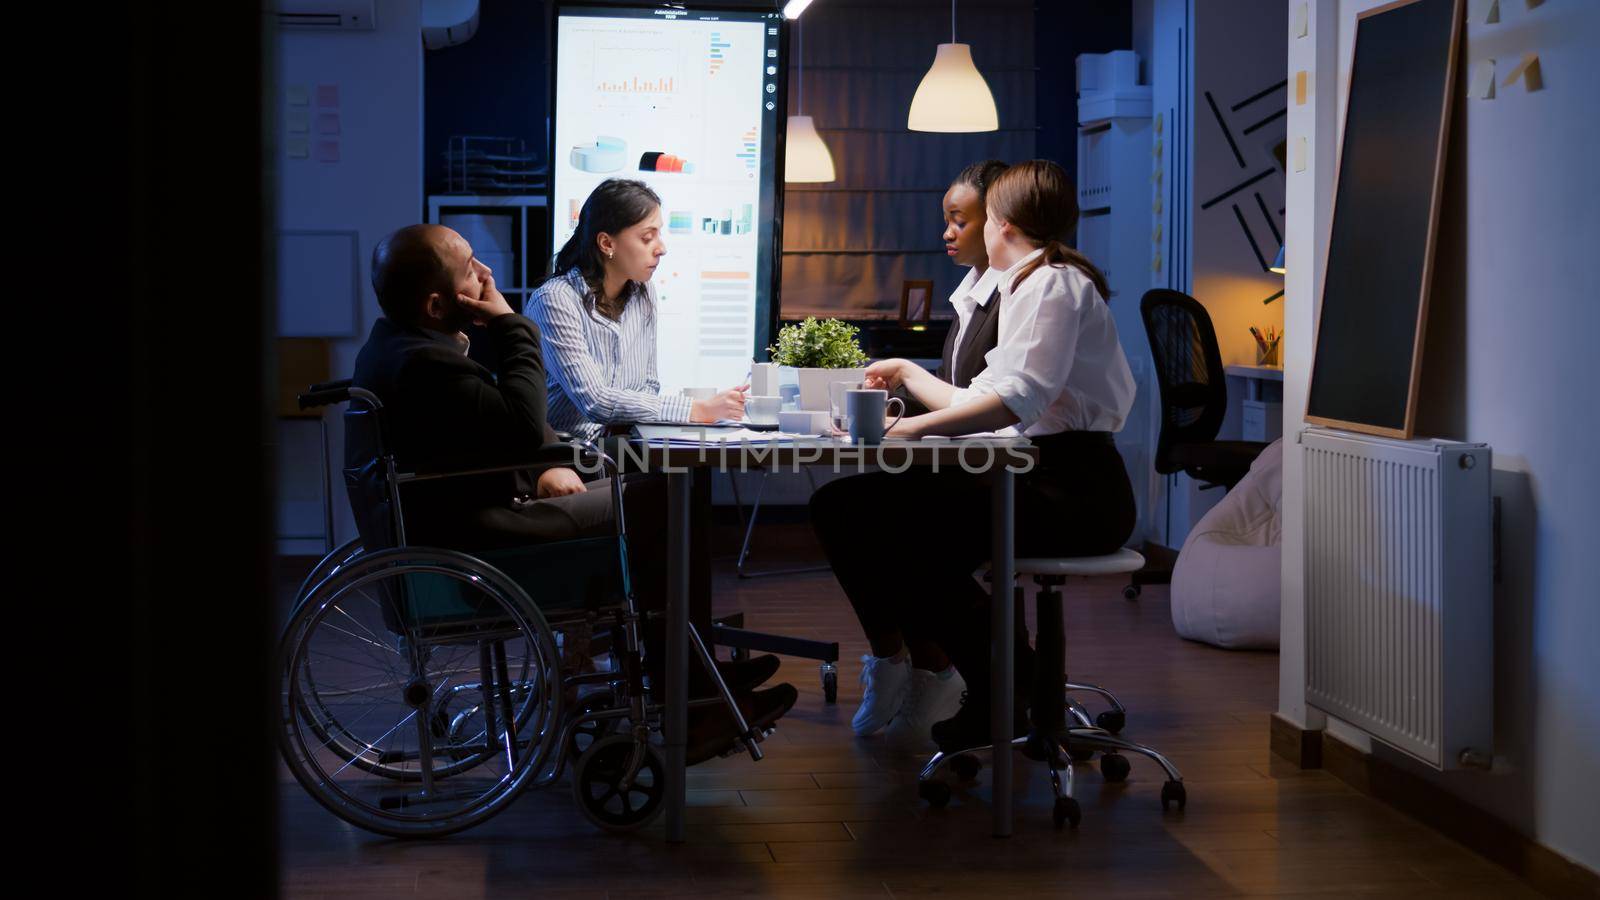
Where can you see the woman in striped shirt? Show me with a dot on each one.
(597, 316)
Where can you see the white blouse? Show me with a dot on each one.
(1057, 363)
(600, 372)
(973, 291)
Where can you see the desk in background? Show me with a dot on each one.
(1255, 403)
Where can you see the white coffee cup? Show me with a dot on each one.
(803, 421)
(762, 410)
(764, 379)
(699, 393)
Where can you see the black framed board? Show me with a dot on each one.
(1368, 357)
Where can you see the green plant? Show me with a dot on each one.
(813, 344)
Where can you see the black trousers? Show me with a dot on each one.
(905, 546)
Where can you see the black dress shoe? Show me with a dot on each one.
(746, 675)
(712, 731)
(969, 727)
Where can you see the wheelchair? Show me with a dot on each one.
(422, 688)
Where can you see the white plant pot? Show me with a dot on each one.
(814, 385)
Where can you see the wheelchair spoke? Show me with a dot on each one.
(375, 639)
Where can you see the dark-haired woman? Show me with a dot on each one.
(597, 313)
(1057, 374)
(907, 680)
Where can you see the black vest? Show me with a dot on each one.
(981, 334)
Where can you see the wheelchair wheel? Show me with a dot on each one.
(399, 674)
(603, 798)
(341, 556)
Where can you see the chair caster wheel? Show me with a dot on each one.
(1066, 812)
(1115, 767)
(1131, 592)
(830, 687)
(966, 766)
(1079, 754)
(1112, 720)
(1173, 792)
(937, 793)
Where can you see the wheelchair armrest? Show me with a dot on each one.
(562, 453)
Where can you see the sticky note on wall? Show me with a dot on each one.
(1302, 21)
(1481, 85)
(1528, 71)
(1302, 86)
(1299, 154)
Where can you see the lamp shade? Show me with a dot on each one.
(1277, 264)
(953, 96)
(805, 156)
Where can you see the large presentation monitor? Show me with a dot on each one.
(691, 102)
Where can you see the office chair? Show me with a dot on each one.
(1194, 401)
(1062, 731)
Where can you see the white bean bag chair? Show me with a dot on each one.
(1225, 585)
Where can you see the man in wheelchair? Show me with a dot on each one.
(443, 410)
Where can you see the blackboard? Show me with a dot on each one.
(1380, 252)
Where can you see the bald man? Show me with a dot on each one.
(445, 411)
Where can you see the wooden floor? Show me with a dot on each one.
(830, 815)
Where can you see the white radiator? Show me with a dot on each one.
(1399, 591)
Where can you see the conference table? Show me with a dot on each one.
(683, 453)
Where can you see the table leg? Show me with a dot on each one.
(1002, 644)
(677, 687)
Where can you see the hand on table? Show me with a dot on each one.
(885, 375)
(728, 404)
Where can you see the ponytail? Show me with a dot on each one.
(1057, 253)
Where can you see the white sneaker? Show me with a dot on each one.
(884, 684)
(931, 699)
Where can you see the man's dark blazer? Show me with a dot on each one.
(442, 410)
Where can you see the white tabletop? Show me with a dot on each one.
(1265, 373)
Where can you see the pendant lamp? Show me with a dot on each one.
(805, 157)
(953, 97)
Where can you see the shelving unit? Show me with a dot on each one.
(508, 232)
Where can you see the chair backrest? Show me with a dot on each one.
(1194, 390)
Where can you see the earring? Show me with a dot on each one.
(610, 254)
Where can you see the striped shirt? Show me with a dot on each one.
(601, 372)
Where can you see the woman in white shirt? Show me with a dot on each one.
(1057, 375)
(597, 315)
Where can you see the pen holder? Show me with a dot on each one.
(1267, 355)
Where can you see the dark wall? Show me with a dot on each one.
(1062, 31)
(496, 84)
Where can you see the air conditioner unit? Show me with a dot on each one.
(446, 23)
(326, 15)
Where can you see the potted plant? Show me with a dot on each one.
(823, 352)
